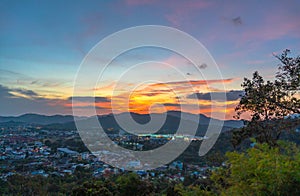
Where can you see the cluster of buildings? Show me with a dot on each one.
(25, 151)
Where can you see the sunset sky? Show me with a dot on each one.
(42, 44)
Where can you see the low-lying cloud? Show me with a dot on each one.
(218, 96)
(89, 99)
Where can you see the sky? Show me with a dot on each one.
(42, 44)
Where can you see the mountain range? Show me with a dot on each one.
(173, 118)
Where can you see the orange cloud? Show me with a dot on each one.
(168, 95)
(153, 97)
(195, 82)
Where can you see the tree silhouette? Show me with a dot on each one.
(270, 103)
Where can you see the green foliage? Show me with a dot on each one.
(131, 184)
(19, 185)
(191, 191)
(3, 187)
(92, 188)
(82, 173)
(262, 170)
